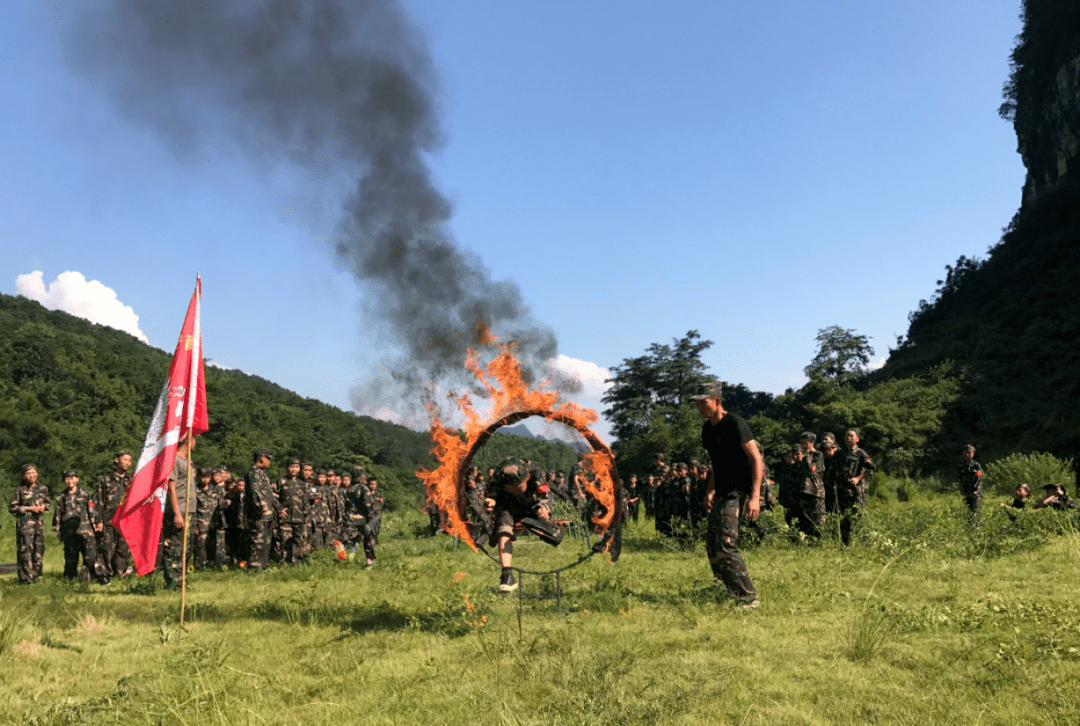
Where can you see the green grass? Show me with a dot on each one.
(924, 619)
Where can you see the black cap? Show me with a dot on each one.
(290, 462)
(259, 453)
(70, 472)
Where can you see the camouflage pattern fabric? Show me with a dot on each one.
(970, 477)
(29, 529)
(721, 544)
(260, 509)
(73, 523)
(112, 549)
(206, 506)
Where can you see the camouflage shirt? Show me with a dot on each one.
(258, 494)
(75, 514)
(970, 475)
(29, 495)
(109, 493)
(292, 497)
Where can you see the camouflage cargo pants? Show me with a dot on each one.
(76, 545)
(172, 547)
(259, 533)
(721, 544)
(811, 514)
(852, 503)
(30, 551)
(113, 551)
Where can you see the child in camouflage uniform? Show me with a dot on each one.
(515, 495)
(73, 524)
(29, 503)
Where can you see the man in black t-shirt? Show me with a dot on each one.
(734, 486)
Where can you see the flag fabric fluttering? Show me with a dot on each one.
(181, 408)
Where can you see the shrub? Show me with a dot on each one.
(1035, 470)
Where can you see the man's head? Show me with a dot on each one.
(320, 477)
(306, 471)
(204, 475)
(292, 468)
(1022, 491)
(969, 452)
(262, 458)
(122, 460)
(709, 399)
(373, 483)
(71, 478)
(220, 475)
(808, 439)
(851, 438)
(29, 474)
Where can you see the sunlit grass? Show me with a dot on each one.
(917, 622)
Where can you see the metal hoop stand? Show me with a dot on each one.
(601, 544)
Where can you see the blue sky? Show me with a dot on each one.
(753, 171)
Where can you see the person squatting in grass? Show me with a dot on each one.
(516, 495)
(734, 488)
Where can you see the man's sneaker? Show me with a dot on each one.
(507, 583)
(752, 605)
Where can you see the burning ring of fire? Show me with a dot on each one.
(512, 401)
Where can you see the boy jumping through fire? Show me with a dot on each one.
(517, 496)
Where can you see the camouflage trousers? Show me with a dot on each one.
(852, 504)
(172, 548)
(30, 551)
(113, 550)
(200, 538)
(259, 533)
(292, 541)
(811, 518)
(76, 545)
(721, 544)
(973, 501)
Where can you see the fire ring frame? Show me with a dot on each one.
(597, 445)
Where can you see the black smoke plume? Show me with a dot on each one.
(338, 88)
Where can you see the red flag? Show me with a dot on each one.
(181, 407)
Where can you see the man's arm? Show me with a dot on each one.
(757, 468)
(174, 504)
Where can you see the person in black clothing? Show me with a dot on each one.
(734, 488)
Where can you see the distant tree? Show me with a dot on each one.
(842, 354)
(662, 380)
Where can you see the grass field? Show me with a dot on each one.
(924, 620)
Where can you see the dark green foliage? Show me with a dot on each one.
(72, 393)
(1012, 322)
(842, 354)
(548, 455)
(650, 407)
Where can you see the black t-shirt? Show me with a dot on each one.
(731, 466)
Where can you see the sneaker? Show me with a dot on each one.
(752, 605)
(507, 583)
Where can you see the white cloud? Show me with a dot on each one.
(592, 377)
(74, 294)
(875, 364)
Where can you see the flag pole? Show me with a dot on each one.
(184, 546)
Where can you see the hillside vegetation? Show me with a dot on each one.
(72, 393)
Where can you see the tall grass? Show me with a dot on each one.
(920, 620)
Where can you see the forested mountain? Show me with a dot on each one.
(1012, 321)
(72, 393)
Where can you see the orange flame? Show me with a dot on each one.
(511, 401)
